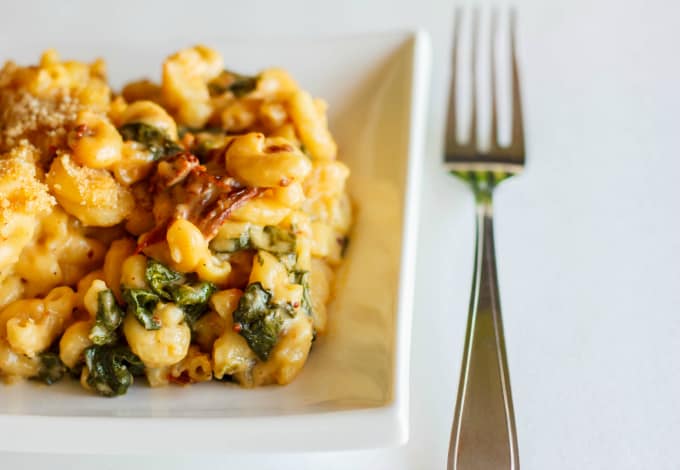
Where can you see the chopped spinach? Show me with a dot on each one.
(185, 291)
(243, 85)
(108, 319)
(231, 245)
(193, 299)
(111, 369)
(141, 303)
(155, 140)
(191, 296)
(51, 368)
(267, 238)
(239, 85)
(161, 278)
(275, 240)
(302, 278)
(259, 320)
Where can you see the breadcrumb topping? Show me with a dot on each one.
(97, 183)
(19, 184)
(42, 120)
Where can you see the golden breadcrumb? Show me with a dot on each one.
(21, 190)
(95, 185)
(44, 121)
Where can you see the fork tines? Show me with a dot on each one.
(468, 155)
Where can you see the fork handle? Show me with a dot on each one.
(483, 435)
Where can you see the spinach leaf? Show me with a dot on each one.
(141, 303)
(51, 368)
(275, 240)
(259, 320)
(302, 278)
(193, 299)
(240, 85)
(161, 278)
(231, 245)
(193, 294)
(243, 85)
(268, 238)
(111, 369)
(108, 319)
(155, 140)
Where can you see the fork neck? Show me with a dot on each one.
(483, 184)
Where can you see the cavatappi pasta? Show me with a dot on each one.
(184, 231)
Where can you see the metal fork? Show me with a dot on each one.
(483, 434)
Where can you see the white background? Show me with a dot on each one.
(587, 240)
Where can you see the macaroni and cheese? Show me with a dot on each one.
(184, 231)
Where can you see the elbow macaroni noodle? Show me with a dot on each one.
(184, 231)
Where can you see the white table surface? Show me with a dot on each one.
(588, 239)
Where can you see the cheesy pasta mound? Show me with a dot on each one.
(183, 231)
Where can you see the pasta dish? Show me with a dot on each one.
(184, 232)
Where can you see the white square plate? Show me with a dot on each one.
(353, 392)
